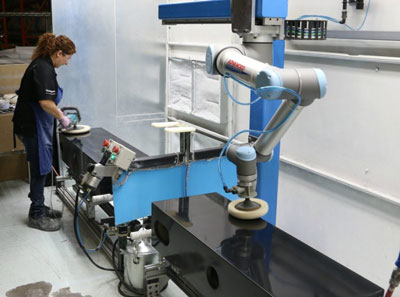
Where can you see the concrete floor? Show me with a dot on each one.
(41, 264)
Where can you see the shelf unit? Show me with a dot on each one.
(22, 14)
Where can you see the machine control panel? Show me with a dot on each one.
(120, 155)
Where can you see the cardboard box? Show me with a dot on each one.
(10, 77)
(6, 134)
(13, 165)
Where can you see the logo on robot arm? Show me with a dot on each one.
(236, 67)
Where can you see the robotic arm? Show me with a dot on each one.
(309, 84)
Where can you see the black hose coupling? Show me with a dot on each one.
(123, 235)
(360, 4)
(344, 12)
(232, 190)
(395, 279)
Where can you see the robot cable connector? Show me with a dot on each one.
(395, 279)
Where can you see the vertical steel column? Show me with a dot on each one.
(42, 6)
(21, 8)
(262, 112)
(5, 32)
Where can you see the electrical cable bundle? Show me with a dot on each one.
(395, 279)
(87, 251)
(337, 21)
(77, 233)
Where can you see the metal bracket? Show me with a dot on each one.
(153, 275)
(90, 210)
(242, 12)
(266, 30)
(185, 139)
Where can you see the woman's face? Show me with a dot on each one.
(60, 59)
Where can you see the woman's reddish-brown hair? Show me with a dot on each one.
(48, 44)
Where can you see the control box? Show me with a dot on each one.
(120, 155)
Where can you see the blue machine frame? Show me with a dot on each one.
(260, 113)
(147, 186)
(219, 9)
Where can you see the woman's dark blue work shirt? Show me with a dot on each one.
(38, 83)
(30, 119)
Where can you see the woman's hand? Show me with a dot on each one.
(65, 121)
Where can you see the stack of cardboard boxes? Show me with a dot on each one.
(13, 163)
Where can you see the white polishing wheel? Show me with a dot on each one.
(78, 129)
(180, 129)
(165, 124)
(248, 214)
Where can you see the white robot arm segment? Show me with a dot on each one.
(309, 83)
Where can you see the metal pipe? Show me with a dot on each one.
(5, 37)
(206, 132)
(25, 14)
(21, 8)
(259, 51)
(343, 57)
(351, 185)
(100, 199)
(141, 234)
(32, 20)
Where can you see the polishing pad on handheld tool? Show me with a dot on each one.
(77, 129)
(248, 214)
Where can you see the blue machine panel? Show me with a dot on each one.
(195, 10)
(218, 9)
(133, 199)
(272, 8)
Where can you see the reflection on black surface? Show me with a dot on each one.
(182, 215)
(183, 211)
(246, 252)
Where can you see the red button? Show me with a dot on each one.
(106, 142)
(115, 149)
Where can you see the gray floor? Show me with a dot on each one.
(49, 262)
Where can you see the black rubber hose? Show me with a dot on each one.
(76, 235)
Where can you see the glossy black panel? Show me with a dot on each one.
(222, 256)
(90, 144)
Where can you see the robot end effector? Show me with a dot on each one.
(270, 83)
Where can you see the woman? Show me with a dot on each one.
(34, 115)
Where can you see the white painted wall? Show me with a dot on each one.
(350, 137)
(190, 42)
(117, 76)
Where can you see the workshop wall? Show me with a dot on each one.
(189, 43)
(339, 184)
